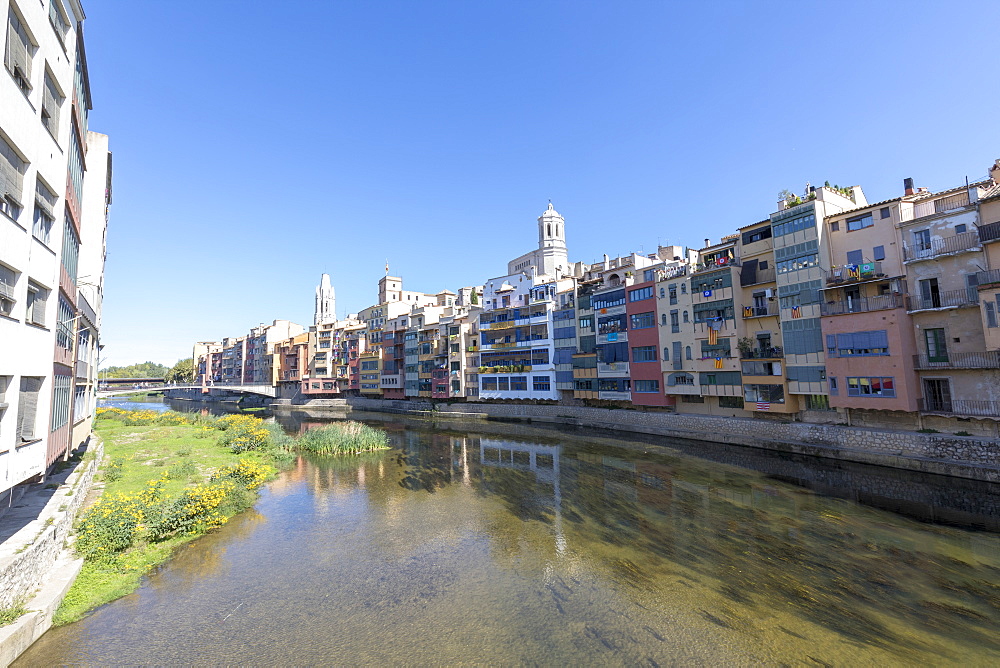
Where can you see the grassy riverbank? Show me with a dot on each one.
(168, 478)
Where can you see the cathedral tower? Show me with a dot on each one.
(326, 302)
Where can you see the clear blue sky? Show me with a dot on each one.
(260, 144)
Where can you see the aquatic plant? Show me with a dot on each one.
(248, 472)
(343, 438)
(242, 433)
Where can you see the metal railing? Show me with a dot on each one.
(968, 407)
(935, 247)
(929, 208)
(987, 277)
(981, 359)
(946, 299)
(854, 273)
(771, 308)
(989, 232)
(715, 264)
(863, 304)
(762, 353)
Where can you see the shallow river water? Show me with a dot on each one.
(511, 545)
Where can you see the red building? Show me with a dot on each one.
(644, 345)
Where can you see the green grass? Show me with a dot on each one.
(187, 454)
(343, 438)
(11, 615)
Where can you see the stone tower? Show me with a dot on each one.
(326, 302)
(551, 230)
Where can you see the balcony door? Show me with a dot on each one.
(853, 298)
(937, 394)
(930, 294)
(937, 348)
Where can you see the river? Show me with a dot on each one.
(507, 544)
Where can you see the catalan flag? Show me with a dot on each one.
(713, 336)
(796, 312)
(718, 362)
(747, 311)
(853, 271)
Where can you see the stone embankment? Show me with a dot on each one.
(973, 457)
(37, 566)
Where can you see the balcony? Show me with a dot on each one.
(946, 299)
(925, 208)
(987, 278)
(989, 232)
(984, 359)
(720, 263)
(771, 353)
(760, 276)
(963, 407)
(959, 243)
(769, 309)
(863, 304)
(855, 273)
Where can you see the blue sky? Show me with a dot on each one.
(257, 145)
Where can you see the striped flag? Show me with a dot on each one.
(713, 336)
(796, 312)
(747, 311)
(763, 405)
(718, 362)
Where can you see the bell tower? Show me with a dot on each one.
(551, 230)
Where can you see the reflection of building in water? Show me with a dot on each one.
(541, 460)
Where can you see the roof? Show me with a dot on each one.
(867, 206)
(761, 222)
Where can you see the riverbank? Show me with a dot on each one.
(36, 569)
(972, 457)
(165, 482)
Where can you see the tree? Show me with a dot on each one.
(474, 298)
(182, 372)
(141, 370)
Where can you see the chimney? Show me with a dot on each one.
(908, 187)
(707, 244)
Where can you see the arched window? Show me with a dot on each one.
(666, 354)
(663, 293)
(548, 229)
(663, 318)
(687, 352)
(685, 316)
(557, 229)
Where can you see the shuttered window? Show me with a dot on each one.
(17, 56)
(52, 101)
(45, 204)
(27, 407)
(35, 308)
(8, 282)
(12, 170)
(71, 249)
(58, 20)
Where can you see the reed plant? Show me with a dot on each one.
(343, 438)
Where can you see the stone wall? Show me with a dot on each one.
(968, 457)
(27, 557)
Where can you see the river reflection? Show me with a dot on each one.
(540, 547)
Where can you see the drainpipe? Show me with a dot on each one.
(848, 411)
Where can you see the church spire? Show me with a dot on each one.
(326, 302)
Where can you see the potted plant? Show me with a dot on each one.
(745, 344)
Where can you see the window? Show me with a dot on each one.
(922, 240)
(673, 294)
(52, 101)
(640, 293)
(611, 324)
(666, 354)
(8, 283)
(754, 393)
(687, 352)
(647, 386)
(663, 293)
(663, 319)
(884, 212)
(35, 308)
(456, 386)
(866, 386)
(937, 349)
(324, 344)
(960, 229)
(730, 402)
(858, 344)
(489, 383)
(644, 354)
(58, 21)
(794, 225)
(800, 262)
(369, 365)
(70, 249)
(878, 253)
(756, 368)
(692, 399)
(503, 383)
(991, 314)
(609, 299)
(649, 275)
(643, 320)
(61, 400)
(587, 322)
(684, 288)
(17, 58)
(27, 407)
(860, 222)
(835, 226)
(818, 402)
(584, 385)
(12, 170)
(541, 383)
(64, 329)
(680, 379)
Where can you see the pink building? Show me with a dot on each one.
(644, 345)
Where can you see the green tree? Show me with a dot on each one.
(182, 372)
(141, 370)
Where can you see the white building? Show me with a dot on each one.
(51, 236)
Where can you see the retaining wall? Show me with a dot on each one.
(972, 457)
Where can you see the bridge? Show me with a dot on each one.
(209, 390)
